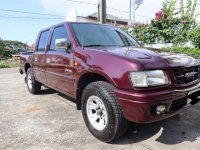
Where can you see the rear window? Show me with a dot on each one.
(43, 40)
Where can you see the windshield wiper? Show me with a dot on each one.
(93, 45)
(129, 46)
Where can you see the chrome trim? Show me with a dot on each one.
(189, 89)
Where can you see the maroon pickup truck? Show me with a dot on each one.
(112, 78)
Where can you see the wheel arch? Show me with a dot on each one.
(26, 66)
(87, 78)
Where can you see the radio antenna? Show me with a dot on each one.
(82, 40)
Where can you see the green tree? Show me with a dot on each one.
(8, 47)
(2, 49)
(15, 45)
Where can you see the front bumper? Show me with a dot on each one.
(137, 105)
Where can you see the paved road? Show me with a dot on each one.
(49, 121)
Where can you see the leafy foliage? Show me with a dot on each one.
(184, 50)
(9, 64)
(15, 45)
(3, 64)
(8, 48)
(195, 37)
(3, 52)
(170, 25)
(168, 9)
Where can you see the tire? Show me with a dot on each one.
(107, 108)
(33, 86)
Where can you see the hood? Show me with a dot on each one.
(152, 59)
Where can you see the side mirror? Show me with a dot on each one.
(63, 44)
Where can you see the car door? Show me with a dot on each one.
(39, 57)
(59, 63)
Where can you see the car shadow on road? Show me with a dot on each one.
(47, 91)
(67, 97)
(175, 130)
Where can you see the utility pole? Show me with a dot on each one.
(131, 16)
(102, 11)
(132, 12)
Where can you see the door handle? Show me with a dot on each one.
(48, 60)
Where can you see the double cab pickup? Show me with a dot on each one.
(112, 78)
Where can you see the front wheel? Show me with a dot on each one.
(102, 113)
(34, 86)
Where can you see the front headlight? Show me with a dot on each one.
(148, 78)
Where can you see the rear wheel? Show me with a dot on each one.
(102, 113)
(34, 86)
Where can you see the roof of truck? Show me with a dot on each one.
(70, 22)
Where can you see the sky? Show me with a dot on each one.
(25, 27)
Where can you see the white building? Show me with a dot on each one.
(110, 19)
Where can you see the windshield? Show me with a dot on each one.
(101, 35)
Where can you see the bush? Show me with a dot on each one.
(4, 64)
(184, 50)
(9, 64)
(169, 25)
(195, 37)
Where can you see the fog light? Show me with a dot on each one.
(160, 109)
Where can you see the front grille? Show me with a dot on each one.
(186, 75)
(178, 104)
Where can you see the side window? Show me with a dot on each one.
(59, 33)
(43, 41)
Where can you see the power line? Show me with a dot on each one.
(33, 13)
(96, 5)
(115, 9)
(26, 17)
(143, 16)
(111, 1)
(44, 14)
(26, 12)
(118, 10)
(82, 2)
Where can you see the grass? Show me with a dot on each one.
(193, 52)
(9, 64)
